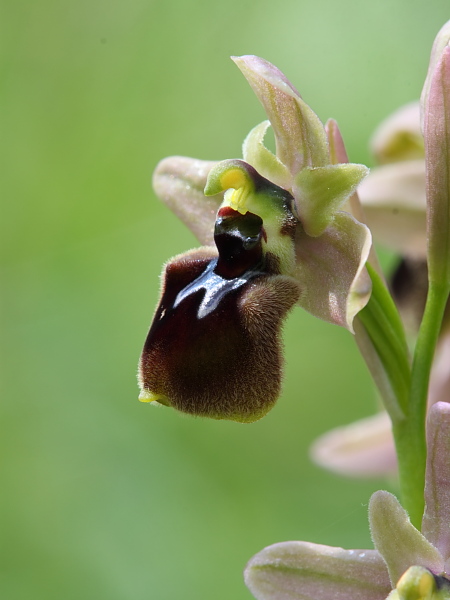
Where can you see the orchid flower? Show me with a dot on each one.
(406, 564)
(275, 234)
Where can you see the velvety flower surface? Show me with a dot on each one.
(413, 564)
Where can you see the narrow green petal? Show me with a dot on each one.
(330, 269)
(299, 135)
(436, 520)
(266, 163)
(305, 571)
(321, 191)
(179, 182)
(397, 540)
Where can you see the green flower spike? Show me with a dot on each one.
(213, 348)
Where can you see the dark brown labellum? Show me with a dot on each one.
(213, 348)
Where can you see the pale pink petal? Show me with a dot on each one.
(299, 135)
(362, 449)
(334, 283)
(179, 182)
(436, 520)
(305, 571)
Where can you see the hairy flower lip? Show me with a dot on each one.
(227, 366)
(213, 348)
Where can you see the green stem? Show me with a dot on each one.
(411, 456)
(385, 329)
(410, 435)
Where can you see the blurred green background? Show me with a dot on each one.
(101, 496)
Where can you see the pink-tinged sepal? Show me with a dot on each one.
(330, 269)
(306, 571)
(299, 135)
(179, 182)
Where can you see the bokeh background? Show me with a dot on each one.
(103, 497)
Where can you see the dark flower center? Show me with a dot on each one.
(238, 240)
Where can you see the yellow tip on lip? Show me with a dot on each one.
(146, 396)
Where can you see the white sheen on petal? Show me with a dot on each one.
(397, 540)
(362, 449)
(334, 283)
(394, 202)
(305, 571)
(179, 181)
